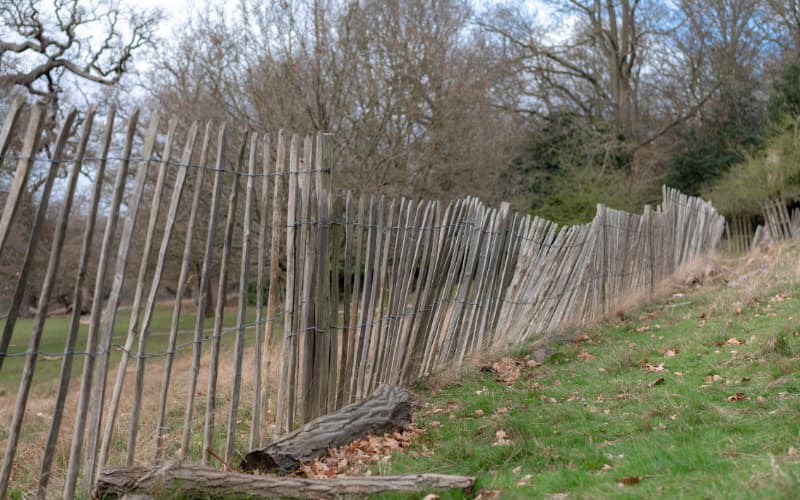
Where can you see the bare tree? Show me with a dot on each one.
(411, 89)
(42, 42)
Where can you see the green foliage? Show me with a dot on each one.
(573, 195)
(732, 125)
(567, 167)
(773, 171)
(252, 294)
(785, 99)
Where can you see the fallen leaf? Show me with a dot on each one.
(651, 367)
(548, 399)
(430, 496)
(501, 410)
(739, 396)
(488, 495)
(526, 480)
(605, 468)
(500, 439)
(630, 480)
(506, 371)
(642, 329)
(658, 381)
(732, 341)
(517, 469)
(478, 413)
(713, 378)
(738, 311)
(532, 363)
(585, 356)
(671, 353)
(351, 457)
(761, 398)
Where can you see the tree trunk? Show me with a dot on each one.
(388, 409)
(202, 482)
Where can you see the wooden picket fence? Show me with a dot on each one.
(777, 220)
(360, 290)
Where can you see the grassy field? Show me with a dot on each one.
(694, 397)
(57, 327)
(40, 403)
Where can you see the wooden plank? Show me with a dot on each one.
(261, 330)
(408, 236)
(319, 307)
(447, 255)
(353, 328)
(342, 395)
(10, 124)
(285, 404)
(370, 311)
(136, 308)
(219, 310)
(328, 296)
(333, 323)
(205, 278)
(307, 334)
(186, 262)
(103, 262)
(30, 148)
(144, 334)
(418, 330)
(241, 309)
(274, 256)
(57, 244)
(406, 334)
(378, 327)
(112, 307)
(65, 374)
(365, 309)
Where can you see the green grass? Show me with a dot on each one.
(55, 332)
(579, 425)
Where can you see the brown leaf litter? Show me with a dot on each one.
(353, 458)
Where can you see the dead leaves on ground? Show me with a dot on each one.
(629, 481)
(356, 456)
(739, 396)
(501, 438)
(651, 367)
(506, 371)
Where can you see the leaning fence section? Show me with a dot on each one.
(303, 298)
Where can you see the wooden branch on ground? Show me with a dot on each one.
(388, 409)
(199, 481)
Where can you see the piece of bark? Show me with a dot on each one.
(388, 409)
(199, 481)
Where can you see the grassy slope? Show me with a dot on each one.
(587, 418)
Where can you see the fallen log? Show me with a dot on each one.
(202, 482)
(388, 409)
